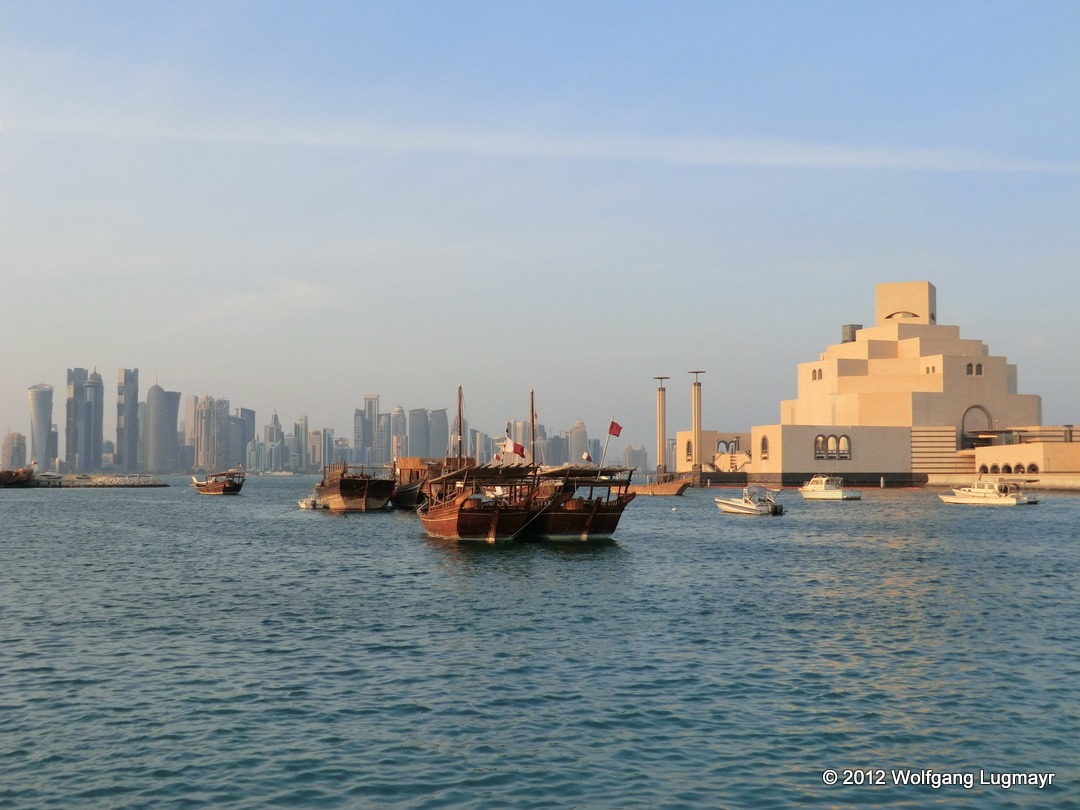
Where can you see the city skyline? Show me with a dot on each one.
(568, 198)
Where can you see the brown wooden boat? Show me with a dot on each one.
(17, 478)
(228, 482)
(671, 484)
(576, 502)
(350, 489)
(489, 502)
(411, 474)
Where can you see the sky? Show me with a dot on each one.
(291, 204)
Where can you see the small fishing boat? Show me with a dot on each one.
(755, 500)
(828, 488)
(228, 482)
(993, 493)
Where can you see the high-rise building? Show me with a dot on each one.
(274, 439)
(439, 432)
(371, 422)
(41, 405)
(299, 453)
(358, 433)
(579, 443)
(247, 426)
(636, 457)
(126, 455)
(75, 416)
(399, 445)
(382, 439)
(419, 433)
(13, 452)
(213, 431)
(162, 412)
(94, 398)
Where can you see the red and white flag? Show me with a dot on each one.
(586, 457)
(510, 446)
(615, 429)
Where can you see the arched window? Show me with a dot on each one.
(722, 447)
(820, 374)
(844, 447)
(764, 447)
(983, 470)
(1033, 468)
(832, 447)
(1007, 469)
(933, 369)
(819, 446)
(813, 374)
(1019, 469)
(970, 368)
(978, 370)
(994, 469)
(689, 450)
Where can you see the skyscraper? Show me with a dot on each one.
(579, 443)
(13, 453)
(300, 461)
(419, 433)
(74, 417)
(41, 404)
(213, 434)
(95, 409)
(371, 422)
(439, 431)
(162, 411)
(126, 455)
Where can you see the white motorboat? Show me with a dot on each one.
(755, 500)
(828, 488)
(992, 493)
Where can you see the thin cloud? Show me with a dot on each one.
(701, 151)
(284, 299)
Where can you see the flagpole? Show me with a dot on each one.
(606, 440)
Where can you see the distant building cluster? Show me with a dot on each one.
(172, 433)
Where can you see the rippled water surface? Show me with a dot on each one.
(164, 649)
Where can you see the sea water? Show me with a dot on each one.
(160, 648)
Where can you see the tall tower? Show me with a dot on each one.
(439, 433)
(162, 410)
(41, 405)
(95, 408)
(126, 455)
(661, 427)
(579, 442)
(695, 426)
(75, 417)
(419, 433)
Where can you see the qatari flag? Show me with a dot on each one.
(615, 429)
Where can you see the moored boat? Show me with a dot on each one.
(828, 488)
(755, 500)
(350, 489)
(17, 478)
(576, 502)
(992, 493)
(669, 484)
(228, 482)
(487, 502)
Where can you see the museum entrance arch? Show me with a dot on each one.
(976, 420)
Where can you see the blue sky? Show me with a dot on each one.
(292, 205)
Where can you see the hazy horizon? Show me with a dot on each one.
(291, 206)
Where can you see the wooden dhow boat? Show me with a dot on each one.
(576, 502)
(486, 502)
(344, 488)
(667, 484)
(229, 482)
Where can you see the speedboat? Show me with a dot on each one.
(992, 493)
(828, 488)
(755, 500)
